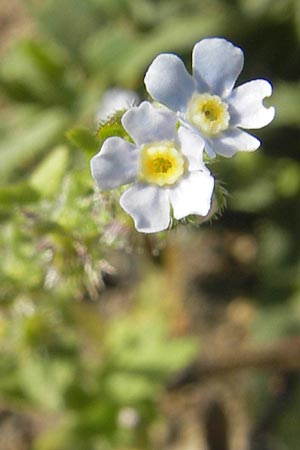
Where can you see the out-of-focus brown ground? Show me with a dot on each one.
(210, 279)
(14, 23)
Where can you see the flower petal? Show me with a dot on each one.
(246, 107)
(115, 99)
(168, 82)
(145, 123)
(115, 164)
(233, 141)
(192, 195)
(216, 65)
(192, 146)
(149, 207)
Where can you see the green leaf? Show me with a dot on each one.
(109, 49)
(47, 58)
(83, 139)
(17, 194)
(254, 197)
(21, 149)
(175, 34)
(296, 16)
(36, 372)
(69, 22)
(288, 178)
(286, 99)
(47, 177)
(34, 72)
(130, 387)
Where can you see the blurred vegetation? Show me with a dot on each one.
(93, 366)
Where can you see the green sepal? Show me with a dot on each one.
(113, 127)
(221, 195)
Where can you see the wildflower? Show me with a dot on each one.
(206, 102)
(115, 99)
(164, 164)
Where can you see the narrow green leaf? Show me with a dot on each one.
(17, 194)
(21, 149)
(47, 177)
(84, 139)
(175, 34)
(35, 72)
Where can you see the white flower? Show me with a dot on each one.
(206, 102)
(113, 100)
(164, 165)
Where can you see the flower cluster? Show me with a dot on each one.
(164, 157)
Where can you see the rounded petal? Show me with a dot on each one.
(149, 207)
(234, 141)
(192, 195)
(168, 82)
(192, 146)
(246, 105)
(115, 164)
(115, 99)
(207, 142)
(145, 123)
(216, 65)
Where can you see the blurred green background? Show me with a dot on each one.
(95, 318)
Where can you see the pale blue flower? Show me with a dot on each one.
(163, 164)
(207, 102)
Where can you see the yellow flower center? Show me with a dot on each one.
(208, 113)
(161, 163)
